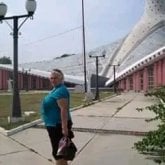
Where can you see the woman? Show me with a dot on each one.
(55, 113)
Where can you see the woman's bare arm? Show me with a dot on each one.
(63, 104)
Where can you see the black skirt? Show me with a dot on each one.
(55, 134)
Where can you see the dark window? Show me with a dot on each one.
(130, 83)
(141, 80)
(150, 77)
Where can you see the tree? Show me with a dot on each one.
(153, 143)
(5, 60)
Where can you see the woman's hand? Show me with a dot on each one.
(65, 131)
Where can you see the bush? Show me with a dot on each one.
(153, 143)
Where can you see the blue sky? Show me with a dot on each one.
(56, 27)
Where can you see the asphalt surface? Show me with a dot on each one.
(105, 133)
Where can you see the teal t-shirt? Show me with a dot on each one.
(50, 110)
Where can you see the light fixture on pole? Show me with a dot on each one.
(114, 77)
(97, 96)
(30, 7)
(84, 48)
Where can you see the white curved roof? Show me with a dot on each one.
(150, 58)
(150, 28)
(73, 64)
(151, 43)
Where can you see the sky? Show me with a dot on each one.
(56, 28)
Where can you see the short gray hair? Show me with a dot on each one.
(59, 72)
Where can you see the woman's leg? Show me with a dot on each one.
(61, 162)
(55, 135)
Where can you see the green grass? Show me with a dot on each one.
(31, 102)
(5, 105)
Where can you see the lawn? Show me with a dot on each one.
(31, 102)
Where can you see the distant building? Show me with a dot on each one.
(139, 58)
(31, 79)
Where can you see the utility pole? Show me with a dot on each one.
(97, 96)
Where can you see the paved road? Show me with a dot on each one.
(104, 134)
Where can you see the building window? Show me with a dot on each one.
(150, 77)
(124, 83)
(33, 83)
(25, 81)
(130, 83)
(141, 79)
(46, 84)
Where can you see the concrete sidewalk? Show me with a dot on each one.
(105, 133)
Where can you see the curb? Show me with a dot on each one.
(20, 128)
(27, 125)
(91, 103)
(103, 131)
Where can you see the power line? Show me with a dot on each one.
(49, 37)
(53, 36)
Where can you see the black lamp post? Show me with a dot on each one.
(114, 78)
(30, 7)
(84, 48)
(97, 97)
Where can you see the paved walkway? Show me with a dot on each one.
(105, 133)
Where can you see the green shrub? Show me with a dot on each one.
(153, 144)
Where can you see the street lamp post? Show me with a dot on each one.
(114, 78)
(84, 48)
(30, 7)
(97, 96)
